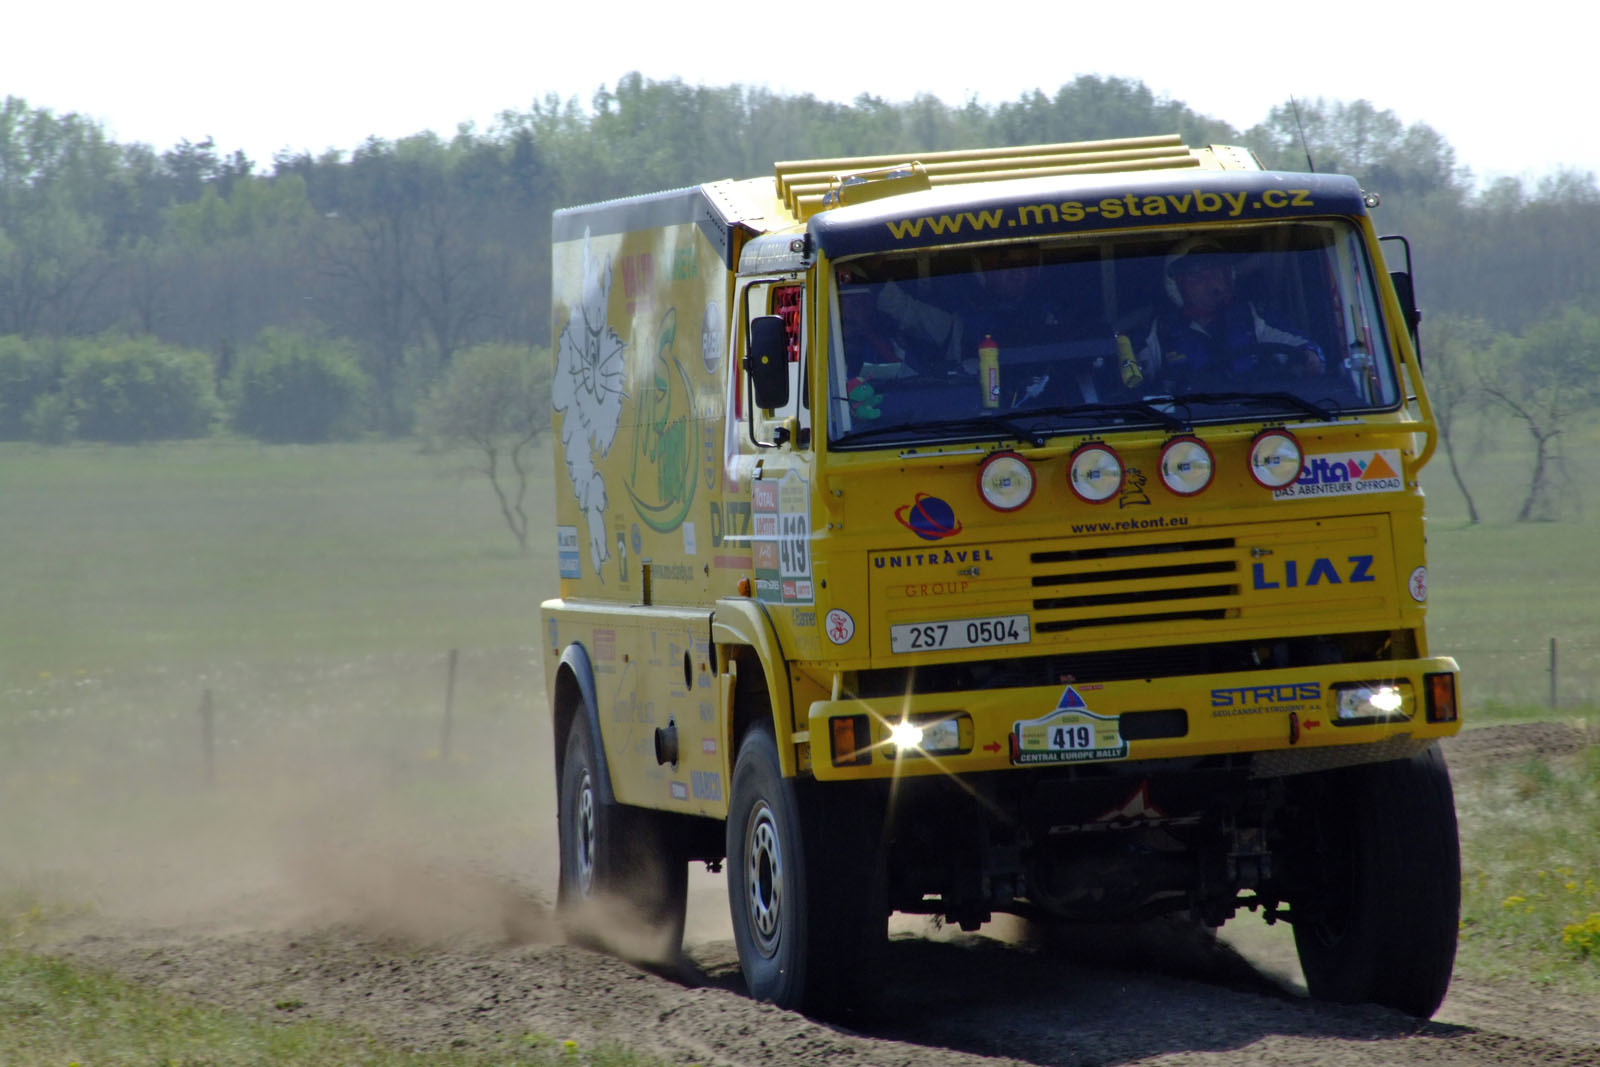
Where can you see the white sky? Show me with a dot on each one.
(1510, 87)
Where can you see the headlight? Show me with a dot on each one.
(1094, 473)
(1359, 702)
(1275, 459)
(932, 733)
(1005, 481)
(1186, 466)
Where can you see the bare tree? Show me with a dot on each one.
(1545, 379)
(1457, 349)
(495, 399)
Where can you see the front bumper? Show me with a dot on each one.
(1289, 719)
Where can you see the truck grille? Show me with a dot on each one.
(1115, 585)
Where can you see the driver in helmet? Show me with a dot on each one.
(1209, 333)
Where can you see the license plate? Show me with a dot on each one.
(959, 633)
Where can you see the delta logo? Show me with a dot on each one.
(1346, 474)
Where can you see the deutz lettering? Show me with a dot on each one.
(1323, 571)
(730, 521)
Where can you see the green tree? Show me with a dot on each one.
(132, 389)
(495, 400)
(26, 374)
(296, 386)
(1355, 138)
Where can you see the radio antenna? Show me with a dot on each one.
(1310, 166)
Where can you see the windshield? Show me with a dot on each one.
(1023, 341)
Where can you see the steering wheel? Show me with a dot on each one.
(1275, 359)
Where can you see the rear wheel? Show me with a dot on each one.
(1377, 904)
(616, 858)
(805, 885)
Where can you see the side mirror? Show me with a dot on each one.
(1407, 295)
(766, 361)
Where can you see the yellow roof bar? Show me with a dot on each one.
(809, 185)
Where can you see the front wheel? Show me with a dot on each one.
(617, 862)
(805, 885)
(1378, 902)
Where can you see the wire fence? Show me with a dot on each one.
(1549, 672)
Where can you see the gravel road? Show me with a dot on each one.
(477, 960)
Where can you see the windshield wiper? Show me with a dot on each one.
(1279, 398)
(999, 426)
(1124, 408)
(1012, 427)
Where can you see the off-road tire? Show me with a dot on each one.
(806, 885)
(616, 857)
(1379, 899)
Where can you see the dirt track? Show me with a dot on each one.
(475, 961)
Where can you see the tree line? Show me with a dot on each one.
(365, 275)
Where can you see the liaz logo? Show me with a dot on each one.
(1323, 571)
(929, 518)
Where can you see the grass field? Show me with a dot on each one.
(1530, 878)
(1501, 591)
(316, 594)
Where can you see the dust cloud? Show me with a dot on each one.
(315, 794)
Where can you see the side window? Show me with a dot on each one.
(785, 298)
(786, 303)
(1366, 359)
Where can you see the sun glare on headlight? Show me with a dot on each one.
(905, 735)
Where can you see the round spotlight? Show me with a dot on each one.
(1094, 473)
(1005, 481)
(1275, 459)
(1186, 466)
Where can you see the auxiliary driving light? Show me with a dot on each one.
(1094, 473)
(1275, 459)
(1361, 702)
(1006, 481)
(1186, 466)
(932, 734)
(905, 736)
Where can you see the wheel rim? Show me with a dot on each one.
(763, 879)
(583, 833)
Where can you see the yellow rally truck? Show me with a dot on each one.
(1030, 530)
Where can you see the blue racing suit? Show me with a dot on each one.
(1179, 349)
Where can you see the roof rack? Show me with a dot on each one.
(810, 185)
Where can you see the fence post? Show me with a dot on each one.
(208, 739)
(449, 709)
(1552, 674)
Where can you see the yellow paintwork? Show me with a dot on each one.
(654, 466)
(1252, 717)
